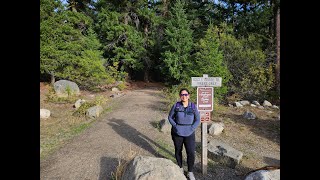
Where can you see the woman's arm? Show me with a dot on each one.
(171, 116)
(196, 119)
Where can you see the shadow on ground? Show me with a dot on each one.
(219, 171)
(271, 161)
(137, 138)
(107, 167)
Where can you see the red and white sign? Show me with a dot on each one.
(205, 116)
(205, 98)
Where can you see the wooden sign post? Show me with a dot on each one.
(205, 96)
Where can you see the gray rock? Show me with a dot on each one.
(253, 105)
(256, 103)
(64, 88)
(94, 111)
(264, 175)
(216, 128)
(275, 107)
(244, 103)
(238, 104)
(44, 113)
(78, 103)
(249, 115)
(152, 168)
(114, 89)
(116, 95)
(260, 107)
(223, 153)
(266, 103)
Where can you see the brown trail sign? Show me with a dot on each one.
(205, 98)
(205, 106)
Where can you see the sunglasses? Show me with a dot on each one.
(184, 94)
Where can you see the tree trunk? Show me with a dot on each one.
(126, 18)
(278, 51)
(52, 78)
(271, 24)
(73, 9)
(72, 5)
(165, 8)
(233, 9)
(147, 63)
(146, 75)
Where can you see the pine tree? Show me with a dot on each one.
(178, 44)
(209, 60)
(69, 49)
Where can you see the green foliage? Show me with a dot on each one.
(121, 86)
(122, 42)
(70, 52)
(178, 44)
(81, 111)
(172, 93)
(47, 8)
(251, 75)
(53, 98)
(255, 20)
(256, 84)
(68, 90)
(132, 50)
(209, 60)
(107, 41)
(100, 100)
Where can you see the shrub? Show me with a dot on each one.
(81, 111)
(256, 84)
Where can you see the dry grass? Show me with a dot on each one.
(63, 124)
(59, 128)
(258, 139)
(123, 160)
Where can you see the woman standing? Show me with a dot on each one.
(184, 118)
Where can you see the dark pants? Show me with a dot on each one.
(189, 145)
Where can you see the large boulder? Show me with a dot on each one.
(264, 175)
(223, 153)
(152, 168)
(216, 128)
(64, 88)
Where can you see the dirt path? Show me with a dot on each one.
(95, 153)
(130, 125)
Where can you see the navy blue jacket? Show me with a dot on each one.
(185, 121)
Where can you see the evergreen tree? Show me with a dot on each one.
(178, 44)
(69, 49)
(209, 60)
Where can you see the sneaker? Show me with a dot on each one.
(191, 176)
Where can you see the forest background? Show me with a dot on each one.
(99, 42)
